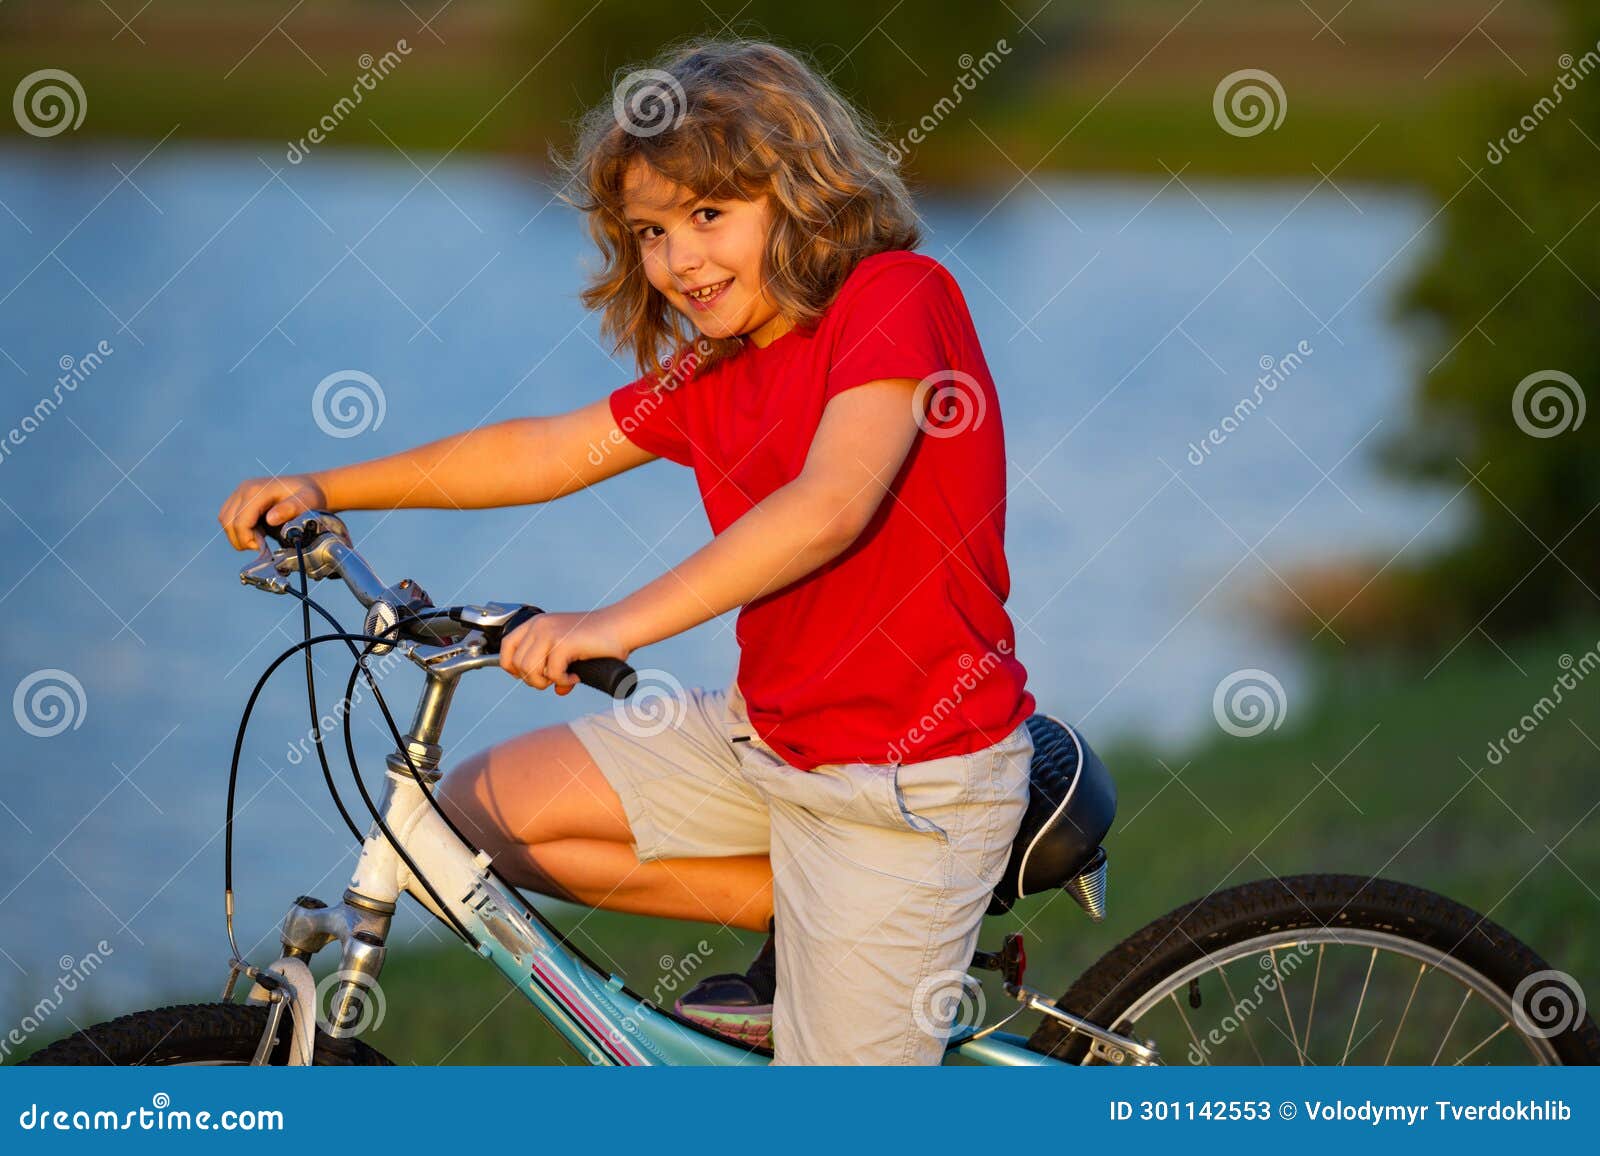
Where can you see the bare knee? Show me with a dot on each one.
(539, 787)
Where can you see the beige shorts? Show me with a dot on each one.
(881, 873)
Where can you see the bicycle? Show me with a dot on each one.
(1337, 928)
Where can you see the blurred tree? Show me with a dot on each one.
(1511, 292)
(893, 60)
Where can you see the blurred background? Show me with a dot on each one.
(1292, 309)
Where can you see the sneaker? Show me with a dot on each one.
(738, 1006)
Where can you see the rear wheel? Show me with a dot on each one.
(207, 1033)
(1329, 969)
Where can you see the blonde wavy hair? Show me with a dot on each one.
(733, 118)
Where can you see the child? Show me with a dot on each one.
(859, 782)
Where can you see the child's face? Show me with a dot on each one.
(687, 243)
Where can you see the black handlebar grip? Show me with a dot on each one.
(609, 675)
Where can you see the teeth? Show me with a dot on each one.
(708, 291)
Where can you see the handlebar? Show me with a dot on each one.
(611, 675)
(405, 610)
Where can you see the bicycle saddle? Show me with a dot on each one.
(1071, 802)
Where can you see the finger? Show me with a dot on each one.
(536, 655)
(517, 660)
(247, 528)
(231, 525)
(555, 666)
(245, 519)
(508, 656)
(226, 522)
(242, 535)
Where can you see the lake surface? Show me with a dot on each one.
(1123, 322)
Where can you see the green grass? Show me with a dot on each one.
(1518, 844)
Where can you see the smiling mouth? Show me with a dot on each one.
(703, 297)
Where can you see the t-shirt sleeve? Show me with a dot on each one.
(653, 416)
(893, 326)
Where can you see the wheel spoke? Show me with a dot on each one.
(1243, 1022)
(1316, 977)
(1287, 1014)
(1372, 959)
(1371, 1012)
(1421, 971)
(1459, 1009)
(1197, 1046)
(1503, 1026)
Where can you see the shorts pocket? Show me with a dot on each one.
(926, 796)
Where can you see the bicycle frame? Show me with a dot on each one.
(596, 1013)
(608, 1024)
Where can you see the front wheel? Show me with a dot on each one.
(205, 1033)
(1329, 969)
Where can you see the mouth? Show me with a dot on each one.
(703, 297)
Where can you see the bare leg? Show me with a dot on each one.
(540, 806)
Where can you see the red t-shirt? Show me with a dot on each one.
(899, 649)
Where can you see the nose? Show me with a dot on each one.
(683, 255)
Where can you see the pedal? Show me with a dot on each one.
(1011, 961)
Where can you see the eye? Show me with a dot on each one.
(643, 233)
(715, 213)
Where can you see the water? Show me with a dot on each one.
(1122, 321)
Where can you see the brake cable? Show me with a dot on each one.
(233, 778)
(307, 605)
(311, 687)
(529, 909)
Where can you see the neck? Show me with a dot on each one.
(765, 335)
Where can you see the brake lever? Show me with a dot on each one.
(263, 573)
(495, 620)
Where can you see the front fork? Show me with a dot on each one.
(360, 922)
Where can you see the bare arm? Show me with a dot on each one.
(517, 462)
(511, 463)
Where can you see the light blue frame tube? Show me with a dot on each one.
(610, 1026)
